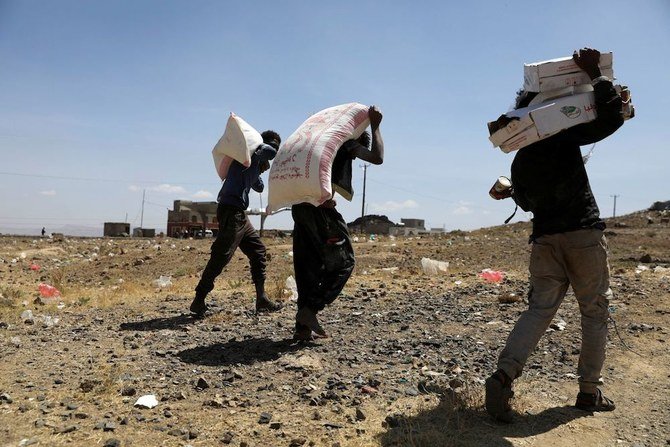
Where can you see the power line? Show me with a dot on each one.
(90, 179)
(427, 196)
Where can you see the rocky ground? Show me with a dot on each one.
(404, 366)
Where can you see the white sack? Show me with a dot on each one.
(238, 142)
(301, 172)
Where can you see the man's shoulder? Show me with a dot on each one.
(348, 147)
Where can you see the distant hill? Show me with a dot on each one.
(69, 230)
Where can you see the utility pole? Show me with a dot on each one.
(365, 175)
(144, 191)
(614, 210)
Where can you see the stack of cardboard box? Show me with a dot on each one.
(564, 99)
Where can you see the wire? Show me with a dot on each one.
(439, 199)
(89, 179)
(621, 339)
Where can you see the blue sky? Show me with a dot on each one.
(102, 100)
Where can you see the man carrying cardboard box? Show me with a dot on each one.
(569, 248)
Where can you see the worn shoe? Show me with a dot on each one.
(265, 304)
(307, 317)
(198, 307)
(302, 333)
(498, 393)
(594, 402)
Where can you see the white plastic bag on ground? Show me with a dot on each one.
(163, 281)
(238, 142)
(301, 172)
(433, 267)
(292, 288)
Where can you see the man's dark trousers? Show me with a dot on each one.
(235, 230)
(323, 257)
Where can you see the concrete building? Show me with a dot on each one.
(191, 218)
(144, 232)
(116, 229)
(409, 227)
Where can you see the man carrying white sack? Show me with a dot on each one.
(323, 257)
(235, 229)
(569, 248)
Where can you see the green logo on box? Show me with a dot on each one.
(571, 112)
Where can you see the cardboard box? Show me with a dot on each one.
(562, 72)
(543, 120)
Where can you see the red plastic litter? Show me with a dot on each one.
(48, 291)
(492, 275)
(34, 267)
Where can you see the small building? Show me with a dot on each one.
(144, 232)
(116, 229)
(371, 224)
(409, 227)
(192, 218)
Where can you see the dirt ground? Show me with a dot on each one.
(404, 365)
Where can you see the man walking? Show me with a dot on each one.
(569, 248)
(235, 229)
(323, 257)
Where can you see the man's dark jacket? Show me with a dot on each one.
(549, 177)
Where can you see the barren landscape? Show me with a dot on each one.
(404, 365)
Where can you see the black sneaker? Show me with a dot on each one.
(498, 394)
(198, 307)
(265, 304)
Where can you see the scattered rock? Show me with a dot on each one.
(65, 429)
(177, 432)
(360, 416)
(265, 418)
(128, 391)
(227, 437)
(87, 385)
(112, 442)
(646, 258)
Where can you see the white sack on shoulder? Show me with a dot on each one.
(301, 172)
(238, 142)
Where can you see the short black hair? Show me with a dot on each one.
(523, 98)
(270, 136)
(364, 139)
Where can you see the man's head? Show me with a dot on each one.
(272, 138)
(523, 98)
(364, 139)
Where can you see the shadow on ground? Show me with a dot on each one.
(455, 423)
(157, 324)
(240, 351)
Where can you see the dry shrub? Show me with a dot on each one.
(128, 293)
(235, 283)
(444, 420)
(58, 278)
(9, 296)
(277, 282)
